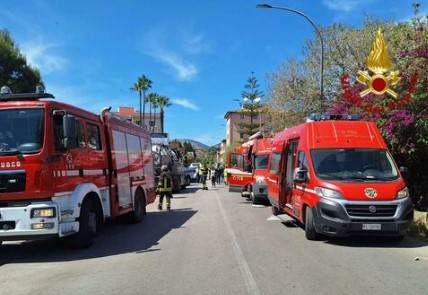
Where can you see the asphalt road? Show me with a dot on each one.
(214, 242)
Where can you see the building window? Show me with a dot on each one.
(241, 135)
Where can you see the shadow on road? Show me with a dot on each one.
(190, 189)
(116, 238)
(376, 242)
(363, 241)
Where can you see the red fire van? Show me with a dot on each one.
(238, 169)
(259, 149)
(337, 178)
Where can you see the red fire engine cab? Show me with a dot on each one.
(259, 154)
(64, 170)
(337, 178)
(238, 169)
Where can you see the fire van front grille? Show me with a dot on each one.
(371, 210)
(12, 181)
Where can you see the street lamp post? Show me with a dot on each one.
(319, 35)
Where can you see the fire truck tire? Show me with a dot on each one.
(275, 210)
(140, 207)
(88, 225)
(254, 199)
(310, 231)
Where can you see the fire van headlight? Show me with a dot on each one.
(404, 193)
(328, 193)
(43, 212)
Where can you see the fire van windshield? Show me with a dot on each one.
(354, 164)
(21, 131)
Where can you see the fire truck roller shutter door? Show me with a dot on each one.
(70, 205)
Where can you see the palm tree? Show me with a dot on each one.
(141, 86)
(152, 98)
(155, 104)
(163, 102)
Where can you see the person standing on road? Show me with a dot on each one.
(164, 188)
(204, 172)
(213, 177)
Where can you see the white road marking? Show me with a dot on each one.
(250, 283)
(285, 217)
(258, 206)
(273, 218)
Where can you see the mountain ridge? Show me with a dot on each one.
(196, 144)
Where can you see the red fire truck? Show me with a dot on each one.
(64, 170)
(259, 154)
(238, 169)
(337, 178)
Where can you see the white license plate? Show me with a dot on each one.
(372, 226)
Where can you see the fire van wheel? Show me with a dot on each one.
(139, 208)
(310, 232)
(88, 225)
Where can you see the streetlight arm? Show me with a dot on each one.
(318, 33)
(305, 16)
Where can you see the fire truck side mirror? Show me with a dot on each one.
(70, 131)
(300, 175)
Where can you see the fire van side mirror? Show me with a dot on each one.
(70, 131)
(404, 170)
(300, 175)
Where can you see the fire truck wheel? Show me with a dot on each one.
(140, 208)
(275, 210)
(254, 199)
(88, 225)
(310, 232)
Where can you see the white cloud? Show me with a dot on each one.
(183, 70)
(185, 103)
(42, 56)
(194, 43)
(344, 5)
(175, 50)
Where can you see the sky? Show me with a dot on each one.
(199, 53)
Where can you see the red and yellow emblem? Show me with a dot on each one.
(380, 76)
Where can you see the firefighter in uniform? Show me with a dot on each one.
(164, 188)
(204, 171)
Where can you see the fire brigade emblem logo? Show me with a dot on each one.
(380, 75)
(370, 193)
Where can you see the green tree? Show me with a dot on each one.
(251, 106)
(152, 99)
(163, 102)
(141, 86)
(14, 70)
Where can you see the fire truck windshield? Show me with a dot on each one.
(261, 161)
(21, 131)
(353, 164)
